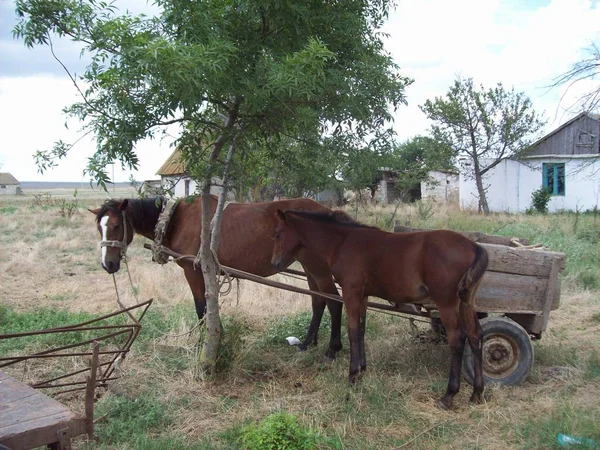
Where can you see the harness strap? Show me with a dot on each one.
(168, 207)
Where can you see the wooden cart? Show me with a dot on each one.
(519, 290)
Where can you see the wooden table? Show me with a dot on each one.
(31, 419)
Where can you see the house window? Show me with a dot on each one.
(187, 187)
(553, 175)
(3, 186)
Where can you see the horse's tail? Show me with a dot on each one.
(467, 287)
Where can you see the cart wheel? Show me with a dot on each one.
(507, 352)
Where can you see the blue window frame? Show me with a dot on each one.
(553, 178)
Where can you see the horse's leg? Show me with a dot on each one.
(196, 283)
(468, 317)
(324, 283)
(456, 341)
(320, 279)
(362, 328)
(352, 301)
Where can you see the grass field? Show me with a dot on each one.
(51, 275)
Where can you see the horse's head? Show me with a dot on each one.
(116, 233)
(287, 242)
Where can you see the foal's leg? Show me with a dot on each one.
(196, 283)
(456, 341)
(468, 317)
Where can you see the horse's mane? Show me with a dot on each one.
(336, 217)
(139, 210)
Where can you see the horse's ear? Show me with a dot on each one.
(281, 216)
(94, 211)
(123, 204)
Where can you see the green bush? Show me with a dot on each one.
(279, 431)
(539, 201)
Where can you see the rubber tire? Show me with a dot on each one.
(515, 336)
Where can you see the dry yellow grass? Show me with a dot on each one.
(49, 261)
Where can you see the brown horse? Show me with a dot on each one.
(401, 268)
(246, 244)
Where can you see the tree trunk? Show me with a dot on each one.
(483, 204)
(208, 264)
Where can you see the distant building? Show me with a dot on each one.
(565, 161)
(9, 185)
(174, 177)
(440, 186)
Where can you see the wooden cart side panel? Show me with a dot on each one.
(520, 261)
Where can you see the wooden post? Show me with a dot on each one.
(90, 392)
(550, 291)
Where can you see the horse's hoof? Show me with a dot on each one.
(302, 347)
(327, 361)
(443, 405)
(476, 398)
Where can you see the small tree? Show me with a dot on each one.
(231, 74)
(416, 157)
(483, 127)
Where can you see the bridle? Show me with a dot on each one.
(119, 244)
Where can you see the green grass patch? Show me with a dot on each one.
(141, 424)
(19, 322)
(8, 210)
(293, 325)
(541, 431)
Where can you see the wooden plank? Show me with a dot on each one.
(28, 414)
(522, 261)
(475, 236)
(501, 292)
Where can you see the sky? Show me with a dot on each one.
(523, 44)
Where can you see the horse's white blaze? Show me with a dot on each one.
(104, 229)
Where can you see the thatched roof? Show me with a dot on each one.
(173, 165)
(7, 178)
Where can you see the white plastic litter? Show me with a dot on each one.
(292, 340)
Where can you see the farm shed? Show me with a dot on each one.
(440, 186)
(9, 185)
(174, 177)
(565, 161)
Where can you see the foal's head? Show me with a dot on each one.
(287, 242)
(116, 233)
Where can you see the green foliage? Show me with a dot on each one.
(278, 431)
(277, 72)
(539, 201)
(479, 123)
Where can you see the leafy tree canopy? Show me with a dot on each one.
(311, 72)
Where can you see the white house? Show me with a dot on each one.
(9, 185)
(175, 178)
(565, 161)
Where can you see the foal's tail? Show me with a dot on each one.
(467, 287)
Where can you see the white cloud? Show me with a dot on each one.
(521, 44)
(491, 41)
(32, 119)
